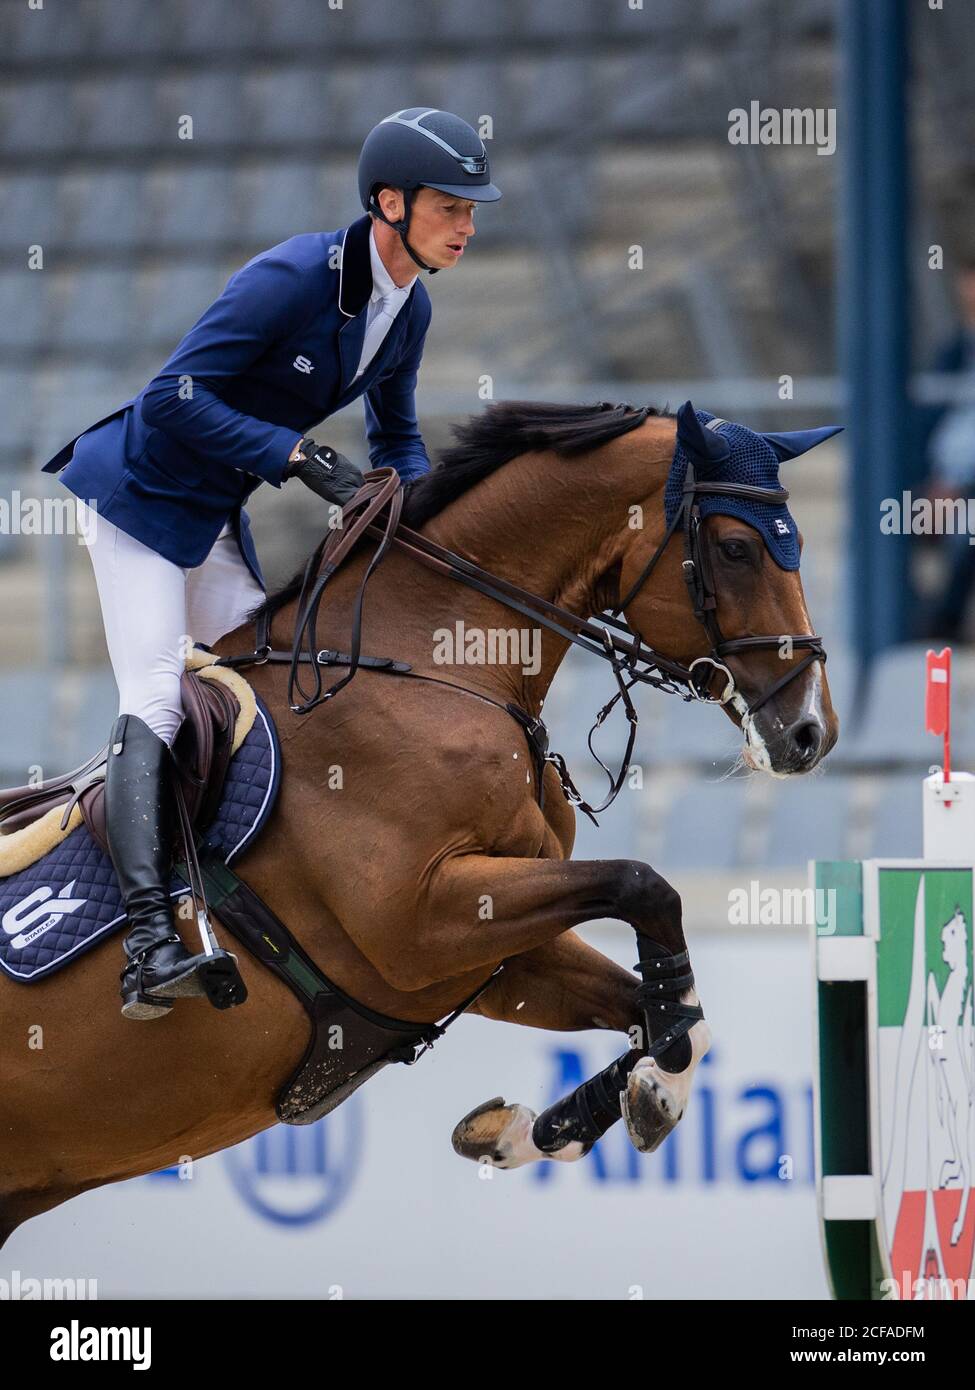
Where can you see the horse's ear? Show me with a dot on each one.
(795, 442)
(707, 449)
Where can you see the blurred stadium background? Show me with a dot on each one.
(610, 131)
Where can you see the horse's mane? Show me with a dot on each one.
(485, 442)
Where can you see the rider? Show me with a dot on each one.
(298, 332)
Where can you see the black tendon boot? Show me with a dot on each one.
(139, 827)
(668, 1021)
(590, 1110)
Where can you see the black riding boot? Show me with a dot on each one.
(139, 826)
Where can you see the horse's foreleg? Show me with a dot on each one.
(511, 1135)
(479, 909)
(530, 901)
(565, 985)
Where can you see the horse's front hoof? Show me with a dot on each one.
(497, 1133)
(651, 1106)
(655, 1100)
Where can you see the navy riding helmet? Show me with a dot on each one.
(421, 147)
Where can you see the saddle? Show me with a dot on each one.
(201, 755)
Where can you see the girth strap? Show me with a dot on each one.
(248, 917)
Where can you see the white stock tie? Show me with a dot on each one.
(377, 330)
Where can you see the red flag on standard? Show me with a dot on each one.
(938, 694)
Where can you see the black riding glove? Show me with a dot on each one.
(329, 474)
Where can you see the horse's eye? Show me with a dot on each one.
(734, 550)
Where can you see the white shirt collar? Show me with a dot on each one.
(382, 282)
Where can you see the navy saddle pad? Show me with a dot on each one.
(61, 906)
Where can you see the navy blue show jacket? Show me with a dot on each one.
(270, 359)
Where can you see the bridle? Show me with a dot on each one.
(699, 577)
(605, 635)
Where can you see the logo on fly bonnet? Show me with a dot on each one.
(720, 449)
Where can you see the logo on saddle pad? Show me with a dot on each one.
(18, 920)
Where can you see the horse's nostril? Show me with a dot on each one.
(807, 737)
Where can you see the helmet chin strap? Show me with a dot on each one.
(402, 226)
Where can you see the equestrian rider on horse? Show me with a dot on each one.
(298, 333)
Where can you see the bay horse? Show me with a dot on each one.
(427, 862)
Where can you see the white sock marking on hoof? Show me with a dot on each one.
(512, 1146)
(666, 1092)
(516, 1143)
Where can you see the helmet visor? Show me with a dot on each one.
(476, 192)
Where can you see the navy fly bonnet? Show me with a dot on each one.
(733, 453)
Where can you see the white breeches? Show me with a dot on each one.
(151, 609)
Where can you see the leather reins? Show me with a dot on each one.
(631, 659)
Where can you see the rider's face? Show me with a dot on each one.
(440, 225)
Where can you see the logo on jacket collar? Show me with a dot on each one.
(303, 364)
